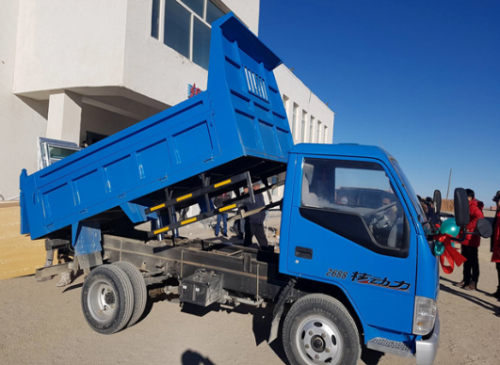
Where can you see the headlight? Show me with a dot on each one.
(424, 315)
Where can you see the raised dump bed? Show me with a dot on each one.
(238, 125)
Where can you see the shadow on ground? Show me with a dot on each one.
(194, 358)
(464, 294)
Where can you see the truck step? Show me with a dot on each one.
(390, 347)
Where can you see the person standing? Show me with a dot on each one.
(254, 224)
(219, 203)
(431, 211)
(471, 244)
(495, 242)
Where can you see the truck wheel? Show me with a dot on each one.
(107, 299)
(139, 288)
(318, 329)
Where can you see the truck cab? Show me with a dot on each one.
(352, 220)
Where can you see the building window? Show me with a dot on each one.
(303, 127)
(186, 27)
(325, 138)
(196, 6)
(201, 43)
(177, 27)
(285, 105)
(318, 133)
(285, 102)
(294, 121)
(311, 130)
(155, 19)
(213, 12)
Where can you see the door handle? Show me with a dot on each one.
(304, 252)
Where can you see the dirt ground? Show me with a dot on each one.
(43, 324)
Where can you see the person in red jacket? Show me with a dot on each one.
(471, 244)
(495, 242)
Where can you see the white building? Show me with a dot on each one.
(310, 119)
(79, 71)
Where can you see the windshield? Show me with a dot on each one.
(409, 190)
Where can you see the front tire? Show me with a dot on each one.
(318, 329)
(107, 299)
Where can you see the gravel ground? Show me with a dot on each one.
(43, 324)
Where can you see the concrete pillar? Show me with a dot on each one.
(65, 116)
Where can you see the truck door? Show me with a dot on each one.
(349, 226)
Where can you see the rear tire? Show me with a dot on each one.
(139, 288)
(107, 299)
(318, 329)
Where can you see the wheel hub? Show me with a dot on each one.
(102, 301)
(109, 297)
(319, 341)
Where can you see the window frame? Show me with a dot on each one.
(311, 129)
(294, 121)
(193, 15)
(44, 156)
(303, 128)
(321, 213)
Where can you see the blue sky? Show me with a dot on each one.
(422, 77)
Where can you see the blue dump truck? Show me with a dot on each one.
(355, 267)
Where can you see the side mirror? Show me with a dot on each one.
(437, 201)
(484, 228)
(461, 207)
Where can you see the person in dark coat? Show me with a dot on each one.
(495, 242)
(221, 217)
(471, 244)
(254, 224)
(431, 212)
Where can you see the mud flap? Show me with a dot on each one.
(278, 310)
(86, 240)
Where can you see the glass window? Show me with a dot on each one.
(155, 19)
(285, 106)
(60, 153)
(409, 190)
(311, 133)
(213, 12)
(186, 27)
(359, 194)
(53, 150)
(294, 120)
(303, 127)
(201, 43)
(177, 27)
(285, 102)
(196, 6)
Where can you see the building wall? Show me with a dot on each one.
(64, 44)
(102, 54)
(248, 11)
(104, 43)
(101, 121)
(294, 92)
(151, 67)
(22, 120)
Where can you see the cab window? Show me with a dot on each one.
(360, 201)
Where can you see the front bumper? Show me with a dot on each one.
(426, 350)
